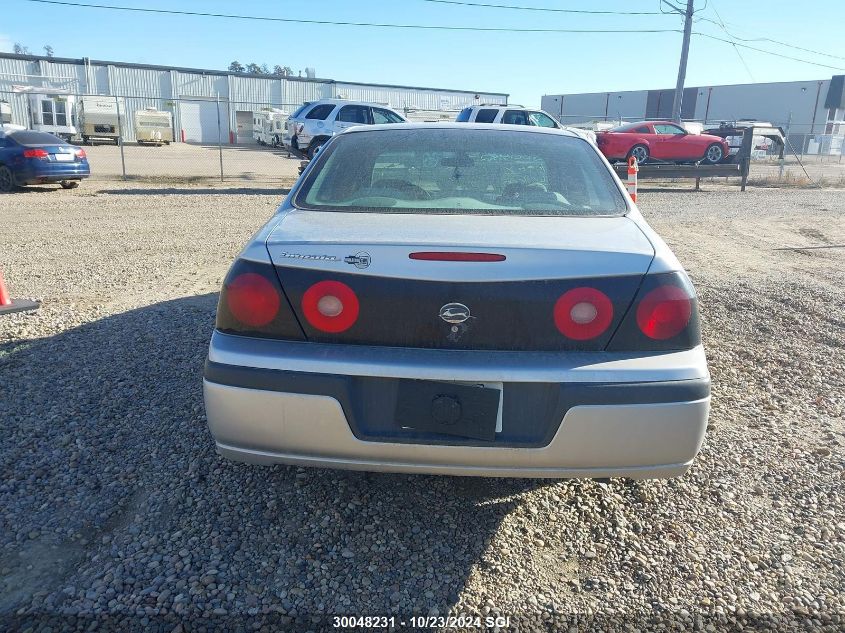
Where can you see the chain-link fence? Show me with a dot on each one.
(202, 139)
(178, 140)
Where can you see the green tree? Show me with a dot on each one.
(48, 50)
(236, 67)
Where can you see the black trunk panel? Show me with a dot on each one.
(505, 315)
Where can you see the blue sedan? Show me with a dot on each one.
(29, 158)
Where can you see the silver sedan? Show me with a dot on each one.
(459, 299)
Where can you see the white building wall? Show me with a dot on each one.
(165, 88)
(421, 98)
(199, 85)
(772, 102)
(298, 92)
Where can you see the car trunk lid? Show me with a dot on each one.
(56, 153)
(509, 274)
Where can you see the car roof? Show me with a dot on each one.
(452, 125)
(352, 102)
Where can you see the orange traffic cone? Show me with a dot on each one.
(7, 306)
(633, 168)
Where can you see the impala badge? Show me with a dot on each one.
(359, 260)
(454, 313)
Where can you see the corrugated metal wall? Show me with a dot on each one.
(163, 88)
(596, 106)
(298, 92)
(197, 85)
(772, 102)
(421, 98)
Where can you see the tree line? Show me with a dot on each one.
(20, 49)
(260, 69)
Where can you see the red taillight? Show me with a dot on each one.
(583, 313)
(35, 153)
(330, 306)
(252, 299)
(433, 256)
(81, 153)
(664, 312)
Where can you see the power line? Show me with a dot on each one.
(434, 27)
(762, 50)
(676, 9)
(542, 9)
(741, 58)
(721, 24)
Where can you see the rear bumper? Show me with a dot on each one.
(341, 419)
(31, 175)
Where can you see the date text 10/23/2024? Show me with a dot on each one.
(419, 622)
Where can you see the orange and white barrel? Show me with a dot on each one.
(632, 178)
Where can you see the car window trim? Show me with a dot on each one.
(293, 199)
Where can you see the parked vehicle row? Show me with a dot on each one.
(310, 126)
(91, 119)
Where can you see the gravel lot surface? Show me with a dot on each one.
(244, 163)
(115, 509)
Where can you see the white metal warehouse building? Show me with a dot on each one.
(192, 95)
(806, 108)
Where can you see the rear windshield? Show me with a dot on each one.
(320, 112)
(28, 137)
(461, 171)
(629, 127)
(299, 110)
(464, 115)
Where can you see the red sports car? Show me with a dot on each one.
(660, 140)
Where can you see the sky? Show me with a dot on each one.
(522, 64)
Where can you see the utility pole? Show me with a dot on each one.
(682, 69)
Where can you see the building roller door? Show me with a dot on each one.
(199, 121)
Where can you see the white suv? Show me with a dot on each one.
(316, 122)
(515, 115)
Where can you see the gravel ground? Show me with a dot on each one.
(186, 162)
(115, 510)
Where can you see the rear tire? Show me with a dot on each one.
(640, 152)
(7, 180)
(714, 154)
(315, 145)
(69, 184)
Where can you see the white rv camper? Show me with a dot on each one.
(5, 113)
(416, 115)
(54, 113)
(98, 118)
(154, 127)
(268, 126)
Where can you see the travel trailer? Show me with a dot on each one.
(154, 127)
(268, 126)
(54, 113)
(417, 115)
(99, 118)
